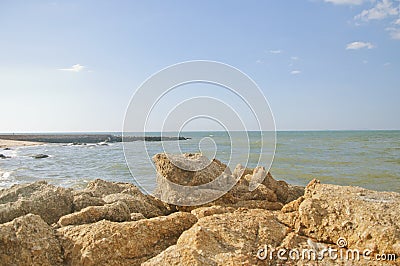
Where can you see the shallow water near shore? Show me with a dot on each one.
(369, 159)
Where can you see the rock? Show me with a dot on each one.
(47, 201)
(116, 212)
(127, 243)
(365, 219)
(40, 156)
(269, 189)
(177, 174)
(136, 216)
(240, 171)
(247, 237)
(136, 204)
(179, 170)
(285, 193)
(85, 199)
(100, 188)
(271, 194)
(257, 204)
(260, 198)
(2, 156)
(240, 192)
(182, 169)
(28, 240)
(7, 149)
(225, 239)
(207, 211)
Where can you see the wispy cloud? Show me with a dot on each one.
(394, 33)
(74, 68)
(259, 61)
(386, 64)
(275, 51)
(345, 2)
(359, 45)
(295, 72)
(381, 10)
(295, 58)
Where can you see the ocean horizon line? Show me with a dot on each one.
(191, 131)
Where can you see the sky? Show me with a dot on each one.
(73, 66)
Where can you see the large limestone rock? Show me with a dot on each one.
(225, 239)
(28, 240)
(126, 243)
(177, 174)
(110, 192)
(136, 216)
(182, 169)
(47, 201)
(365, 219)
(100, 188)
(278, 190)
(212, 210)
(141, 204)
(179, 169)
(85, 199)
(116, 212)
(247, 237)
(241, 192)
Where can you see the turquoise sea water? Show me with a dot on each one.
(369, 159)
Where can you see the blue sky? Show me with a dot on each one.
(322, 64)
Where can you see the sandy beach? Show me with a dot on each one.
(4, 143)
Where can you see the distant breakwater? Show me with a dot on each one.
(84, 138)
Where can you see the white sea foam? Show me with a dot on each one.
(5, 175)
(10, 153)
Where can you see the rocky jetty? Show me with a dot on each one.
(115, 224)
(78, 139)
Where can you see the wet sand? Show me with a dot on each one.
(16, 143)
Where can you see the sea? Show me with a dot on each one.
(369, 159)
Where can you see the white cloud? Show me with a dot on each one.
(345, 2)
(359, 45)
(259, 61)
(74, 68)
(295, 58)
(295, 72)
(386, 64)
(381, 10)
(365, 61)
(275, 51)
(394, 33)
(397, 22)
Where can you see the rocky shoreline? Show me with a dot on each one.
(116, 224)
